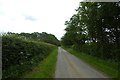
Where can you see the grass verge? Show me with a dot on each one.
(103, 66)
(46, 68)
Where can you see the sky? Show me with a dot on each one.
(36, 15)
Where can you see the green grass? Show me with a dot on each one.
(46, 68)
(103, 66)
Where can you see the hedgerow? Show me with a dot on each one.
(19, 56)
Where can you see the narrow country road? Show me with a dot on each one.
(69, 66)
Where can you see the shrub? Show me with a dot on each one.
(20, 55)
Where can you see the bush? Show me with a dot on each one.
(20, 55)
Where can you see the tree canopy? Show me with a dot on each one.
(95, 28)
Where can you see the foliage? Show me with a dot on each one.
(46, 69)
(95, 29)
(20, 55)
(45, 37)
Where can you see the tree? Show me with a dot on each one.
(97, 24)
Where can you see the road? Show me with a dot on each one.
(69, 66)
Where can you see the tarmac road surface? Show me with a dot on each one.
(69, 66)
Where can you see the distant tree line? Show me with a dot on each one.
(95, 30)
(45, 37)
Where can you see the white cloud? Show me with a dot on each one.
(36, 15)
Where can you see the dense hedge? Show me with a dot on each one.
(20, 55)
(44, 37)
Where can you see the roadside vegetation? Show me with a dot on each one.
(20, 55)
(46, 68)
(105, 66)
(43, 37)
(95, 31)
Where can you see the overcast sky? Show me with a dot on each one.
(36, 15)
